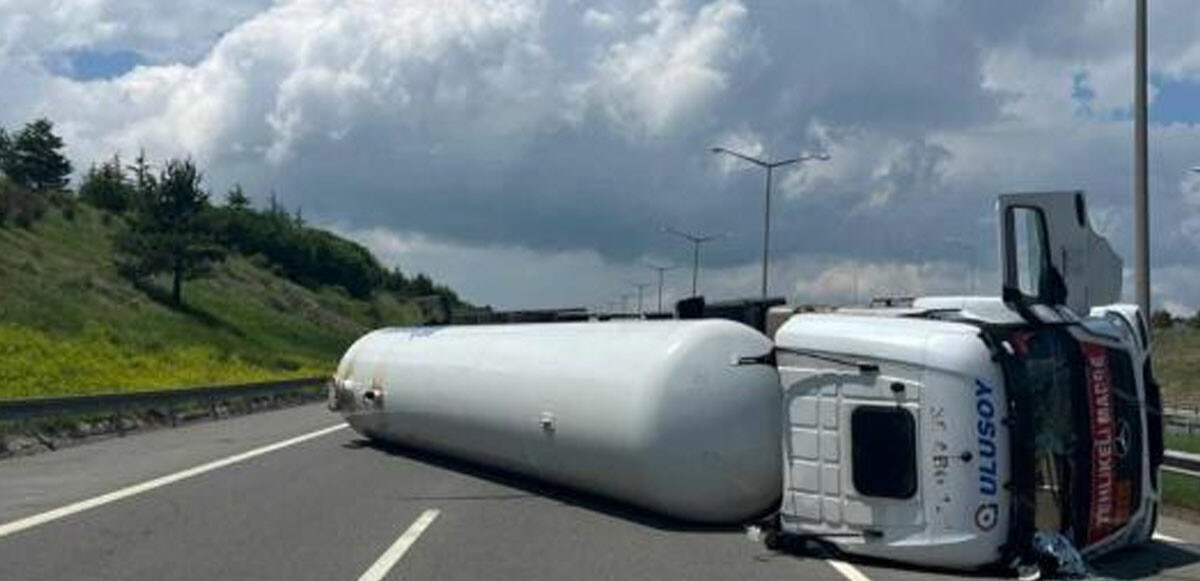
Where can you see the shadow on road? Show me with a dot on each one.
(1145, 560)
(530, 487)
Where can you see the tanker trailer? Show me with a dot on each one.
(680, 417)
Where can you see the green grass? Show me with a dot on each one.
(1183, 443)
(1177, 363)
(1180, 490)
(69, 324)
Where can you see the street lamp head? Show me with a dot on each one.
(1196, 168)
(717, 149)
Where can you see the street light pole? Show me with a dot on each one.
(1141, 201)
(661, 270)
(770, 167)
(640, 286)
(696, 241)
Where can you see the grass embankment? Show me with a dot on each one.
(69, 324)
(1177, 368)
(1182, 442)
(1180, 490)
(1177, 363)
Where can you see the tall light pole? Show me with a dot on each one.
(660, 270)
(1141, 194)
(641, 287)
(696, 240)
(770, 167)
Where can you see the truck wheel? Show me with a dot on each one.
(772, 541)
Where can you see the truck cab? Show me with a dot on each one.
(965, 431)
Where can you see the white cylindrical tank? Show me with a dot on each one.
(674, 416)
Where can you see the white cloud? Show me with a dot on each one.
(600, 19)
(670, 72)
(554, 138)
(164, 32)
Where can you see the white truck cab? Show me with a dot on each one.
(960, 431)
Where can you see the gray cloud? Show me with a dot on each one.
(560, 136)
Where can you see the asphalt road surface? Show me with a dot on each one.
(289, 495)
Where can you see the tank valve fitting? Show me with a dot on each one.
(340, 396)
(373, 396)
(547, 422)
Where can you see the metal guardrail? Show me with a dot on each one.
(117, 403)
(1181, 421)
(1182, 463)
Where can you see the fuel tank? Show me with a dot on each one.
(679, 417)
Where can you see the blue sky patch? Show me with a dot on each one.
(91, 65)
(1178, 101)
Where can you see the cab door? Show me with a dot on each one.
(1055, 267)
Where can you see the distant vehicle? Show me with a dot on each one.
(948, 432)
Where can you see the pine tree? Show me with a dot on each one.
(170, 230)
(143, 178)
(107, 187)
(5, 150)
(34, 157)
(236, 199)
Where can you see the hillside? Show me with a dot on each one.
(1177, 363)
(70, 324)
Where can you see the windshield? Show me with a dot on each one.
(1083, 437)
(1046, 360)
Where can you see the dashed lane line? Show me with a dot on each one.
(1166, 538)
(394, 553)
(847, 570)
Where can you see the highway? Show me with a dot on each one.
(288, 494)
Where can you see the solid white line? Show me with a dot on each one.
(393, 554)
(1166, 538)
(70, 509)
(847, 570)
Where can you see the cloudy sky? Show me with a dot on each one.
(528, 153)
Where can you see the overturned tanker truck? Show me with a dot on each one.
(953, 433)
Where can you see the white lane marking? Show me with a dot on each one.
(1166, 538)
(70, 509)
(392, 555)
(847, 570)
